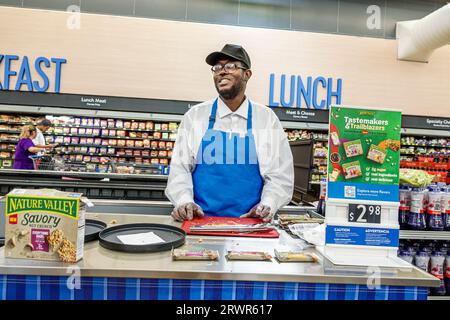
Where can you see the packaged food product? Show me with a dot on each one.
(112, 142)
(90, 122)
(162, 145)
(249, 255)
(111, 150)
(89, 131)
(157, 126)
(44, 224)
(77, 149)
(103, 123)
(119, 124)
(146, 143)
(139, 143)
(77, 121)
(95, 159)
(154, 153)
(66, 130)
(137, 153)
(84, 121)
(169, 145)
(90, 140)
(334, 174)
(98, 141)
(81, 130)
(173, 126)
(195, 254)
(130, 143)
(162, 153)
(127, 124)
(86, 158)
(133, 134)
(353, 148)
(145, 135)
(103, 150)
(154, 161)
(164, 126)
(83, 140)
(67, 139)
(92, 150)
(164, 161)
(121, 133)
(154, 144)
(141, 125)
(105, 142)
(96, 132)
(377, 154)
(97, 122)
(149, 125)
(120, 152)
(111, 123)
(83, 149)
(138, 134)
(165, 135)
(352, 170)
(79, 157)
(169, 153)
(112, 132)
(58, 130)
(146, 161)
(134, 125)
(173, 136)
(138, 160)
(295, 256)
(121, 143)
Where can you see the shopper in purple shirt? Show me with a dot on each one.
(26, 148)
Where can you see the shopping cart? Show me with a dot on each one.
(45, 162)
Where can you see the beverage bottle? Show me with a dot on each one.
(405, 207)
(406, 255)
(447, 275)
(422, 260)
(445, 207)
(416, 219)
(437, 269)
(323, 192)
(434, 212)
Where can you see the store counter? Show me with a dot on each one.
(105, 274)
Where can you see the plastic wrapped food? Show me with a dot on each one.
(137, 153)
(162, 145)
(133, 134)
(98, 141)
(134, 125)
(84, 121)
(103, 123)
(157, 126)
(97, 122)
(352, 170)
(81, 130)
(249, 255)
(67, 139)
(121, 143)
(146, 143)
(145, 134)
(165, 135)
(111, 123)
(164, 161)
(130, 143)
(195, 254)
(121, 133)
(295, 256)
(127, 124)
(89, 131)
(154, 144)
(142, 126)
(149, 125)
(154, 161)
(145, 153)
(96, 132)
(164, 126)
(162, 153)
(139, 143)
(119, 124)
(415, 178)
(90, 140)
(112, 142)
(90, 122)
(334, 174)
(353, 148)
(112, 132)
(173, 126)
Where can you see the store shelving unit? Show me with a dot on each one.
(424, 235)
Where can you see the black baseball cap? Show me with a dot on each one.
(233, 51)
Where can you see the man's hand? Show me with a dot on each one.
(260, 211)
(187, 211)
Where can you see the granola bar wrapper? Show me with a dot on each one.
(195, 254)
(249, 255)
(45, 224)
(294, 256)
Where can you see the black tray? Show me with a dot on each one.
(2, 241)
(174, 237)
(92, 229)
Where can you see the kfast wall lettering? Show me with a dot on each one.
(21, 73)
(309, 92)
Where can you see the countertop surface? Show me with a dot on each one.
(101, 262)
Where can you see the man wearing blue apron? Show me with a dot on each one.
(231, 157)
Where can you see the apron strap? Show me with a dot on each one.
(249, 117)
(212, 116)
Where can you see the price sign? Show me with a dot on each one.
(364, 213)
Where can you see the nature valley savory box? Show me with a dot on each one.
(44, 224)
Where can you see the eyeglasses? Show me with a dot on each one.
(229, 67)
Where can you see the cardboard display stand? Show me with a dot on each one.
(363, 187)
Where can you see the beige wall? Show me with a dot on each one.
(122, 56)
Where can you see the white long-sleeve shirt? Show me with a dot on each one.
(272, 148)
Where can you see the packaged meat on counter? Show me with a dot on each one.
(249, 255)
(194, 253)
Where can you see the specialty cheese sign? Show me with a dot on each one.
(364, 154)
(21, 73)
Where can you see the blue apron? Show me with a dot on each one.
(227, 181)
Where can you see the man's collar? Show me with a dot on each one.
(223, 110)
